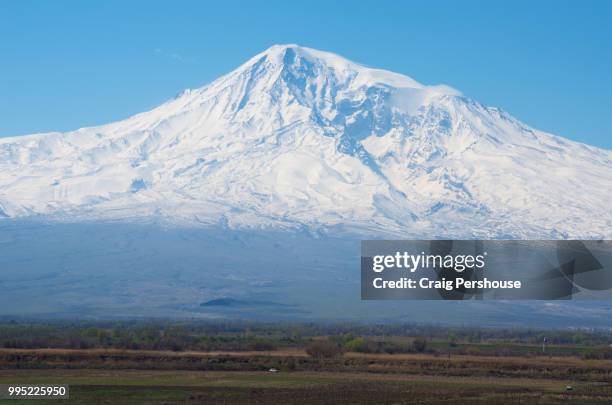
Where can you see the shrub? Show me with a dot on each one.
(419, 345)
(323, 349)
(358, 344)
(260, 344)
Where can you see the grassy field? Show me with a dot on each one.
(130, 386)
(125, 377)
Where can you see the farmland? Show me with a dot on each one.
(314, 364)
(99, 376)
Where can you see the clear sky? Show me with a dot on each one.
(69, 64)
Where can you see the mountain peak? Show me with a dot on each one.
(325, 63)
(280, 49)
(282, 53)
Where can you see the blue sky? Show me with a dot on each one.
(69, 64)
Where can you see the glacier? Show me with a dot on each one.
(295, 141)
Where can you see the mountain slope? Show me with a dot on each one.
(298, 138)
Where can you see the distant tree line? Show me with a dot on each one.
(322, 339)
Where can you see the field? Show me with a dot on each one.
(139, 376)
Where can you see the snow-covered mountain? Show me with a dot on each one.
(299, 138)
(269, 177)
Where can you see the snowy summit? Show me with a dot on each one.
(300, 138)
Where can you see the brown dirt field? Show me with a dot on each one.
(299, 353)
